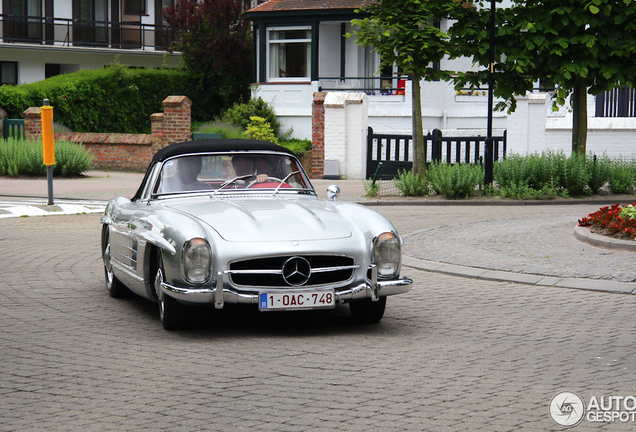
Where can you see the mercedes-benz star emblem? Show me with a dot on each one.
(296, 271)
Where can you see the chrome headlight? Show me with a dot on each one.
(387, 254)
(197, 261)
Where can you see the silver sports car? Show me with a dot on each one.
(238, 221)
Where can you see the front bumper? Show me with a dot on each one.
(221, 293)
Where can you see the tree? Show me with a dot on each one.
(574, 46)
(404, 32)
(215, 44)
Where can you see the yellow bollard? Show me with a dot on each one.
(48, 144)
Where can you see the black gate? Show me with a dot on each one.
(13, 128)
(393, 153)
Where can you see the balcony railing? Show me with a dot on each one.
(84, 33)
(373, 85)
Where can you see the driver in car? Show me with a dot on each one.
(244, 165)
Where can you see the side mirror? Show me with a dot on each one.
(332, 192)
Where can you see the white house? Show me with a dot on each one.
(44, 38)
(301, 48)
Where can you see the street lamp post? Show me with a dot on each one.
(488, 153)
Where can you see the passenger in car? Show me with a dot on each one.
(185, 176)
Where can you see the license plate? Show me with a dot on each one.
(296, 301)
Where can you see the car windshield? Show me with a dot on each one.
(228, 172)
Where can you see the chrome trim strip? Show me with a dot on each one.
(263, 271)
(328, 269)
(134, 260)
(276, 272)
(121, 267)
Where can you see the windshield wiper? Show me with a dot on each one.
(229, 182)
(283, 181)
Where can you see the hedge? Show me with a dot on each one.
(115, 99)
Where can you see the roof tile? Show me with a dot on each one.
(288, 5)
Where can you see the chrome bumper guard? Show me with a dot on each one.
(219, 294)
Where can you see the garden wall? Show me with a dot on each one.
(130, 152)
(534, 127)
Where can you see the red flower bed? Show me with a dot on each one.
(609, 220)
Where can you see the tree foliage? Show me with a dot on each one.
(407, 33)
(574, 46)
(215, 43)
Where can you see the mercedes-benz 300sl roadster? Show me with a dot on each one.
(238, 221)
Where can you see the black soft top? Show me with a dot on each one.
(216, 145)
(209, 145)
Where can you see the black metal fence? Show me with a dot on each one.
(395, 152)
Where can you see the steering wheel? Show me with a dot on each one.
(274, 180)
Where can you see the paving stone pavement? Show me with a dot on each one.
(453, 354)
(26, 207)
(532, 245)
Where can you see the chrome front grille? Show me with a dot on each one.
(292, 271)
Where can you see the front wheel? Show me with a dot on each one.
(171, 312)
(367, 311)
(115, 288)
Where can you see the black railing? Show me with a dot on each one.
(85, 33)
(373, 85)
(395, 152)
(619, 102)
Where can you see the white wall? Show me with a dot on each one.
(534, 127)
(31, 60)
(346, 132)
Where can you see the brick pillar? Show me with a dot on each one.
(318, 135)
(32, 123)
(156, 132)
(173, 125)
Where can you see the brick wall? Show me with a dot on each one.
(318, 135)
(125, 151)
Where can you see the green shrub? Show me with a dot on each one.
(371, 188)
(298, 146)
(525, 192)
(113, 99)
(599, 169)
(228, 131)
(410, 184)
(578, 175)
(575, 176)
(622, 177)
(24, 157)
(260, 129)
(240, 114)
(454, 181)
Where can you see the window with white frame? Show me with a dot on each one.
(289, 53)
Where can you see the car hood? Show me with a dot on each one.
(273, 219)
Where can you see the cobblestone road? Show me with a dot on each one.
(533, 239)
(453, 354)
